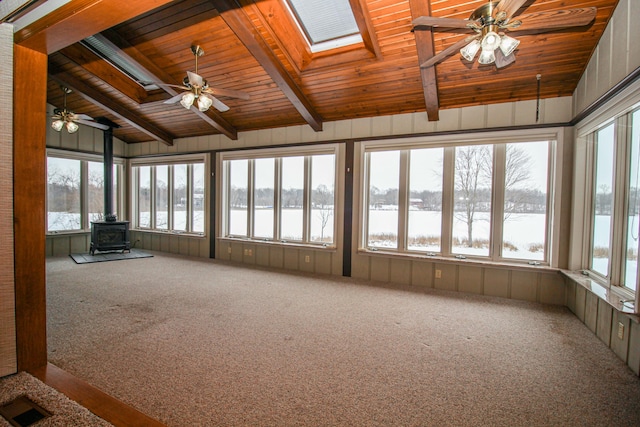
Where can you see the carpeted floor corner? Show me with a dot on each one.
(64, 412)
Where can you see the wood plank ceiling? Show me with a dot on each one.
(252, 46)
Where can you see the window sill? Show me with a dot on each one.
(610, 296)
(278, 243)
(66, 233)
(459, 261)
(170, 233)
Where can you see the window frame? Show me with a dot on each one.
(555, 137)
(278, 154)
(84, 159)
(618, 110)
(170, 162)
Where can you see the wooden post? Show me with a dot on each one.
(29, 176)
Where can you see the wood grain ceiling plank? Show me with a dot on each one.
(107, 104)
(242, 26)
(159, 75)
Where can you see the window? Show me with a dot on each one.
(325, 24)
(170, 196)
(75, 190)
(280, 197)
(613, 204)
(481, 200)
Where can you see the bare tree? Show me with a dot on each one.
(516, 173)
(323, 201)
(473, 182)
(473, 173)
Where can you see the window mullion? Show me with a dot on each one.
(497, 204)
(620, 191)
(170, 205)
(84, 195)
(448, 191)
(250, 197)
(189, 199)
(277, 198)
(403, 201)
(152, 197)
(306, 203)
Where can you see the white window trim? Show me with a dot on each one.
(169, 161)
(615, 110)
(85, 225)
(556, 203)
(311, 150)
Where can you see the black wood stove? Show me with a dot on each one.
(111, 234)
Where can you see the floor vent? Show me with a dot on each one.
(22, 412)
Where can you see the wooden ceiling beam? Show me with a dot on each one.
(232, 13)
(106, 72)
(211, 116)
(102, 101)
(79, 19)
(426, 50)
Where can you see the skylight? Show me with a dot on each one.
(102, 47)
(326, 24)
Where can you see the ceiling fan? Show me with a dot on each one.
(69, 120)
(489, 23)
(199, 91)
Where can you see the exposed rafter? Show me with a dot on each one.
(106, 72)
(100, 100)
(242, 26)
(424, 46)
(158, 74)
(79, 19)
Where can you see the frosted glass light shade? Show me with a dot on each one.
(71, 127)
(491, 41)
(469, 51)
(204, 102)
(508, 45)
(487, 57)
(187, 100)
(57, 125)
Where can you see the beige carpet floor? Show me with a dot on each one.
(200, 342)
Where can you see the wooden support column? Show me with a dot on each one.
(29, 184)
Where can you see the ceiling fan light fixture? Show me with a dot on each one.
(487, 57)
(469, 51)
(508, 45)
(57, 125)
(71, 126)
(490, 41)
(187, 100)
(204, 102)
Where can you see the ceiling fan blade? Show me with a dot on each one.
(77, 117)
(220, 106)
(550, 20)
(509, 7)
(174, 99)
(428, 22)
(194, 79)
(92, 124)
(441, 56)
(228, 92)
(168, 85)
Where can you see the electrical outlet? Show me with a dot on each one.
(307, 258)
(438, 274)
(229, 250)
(621, 330)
